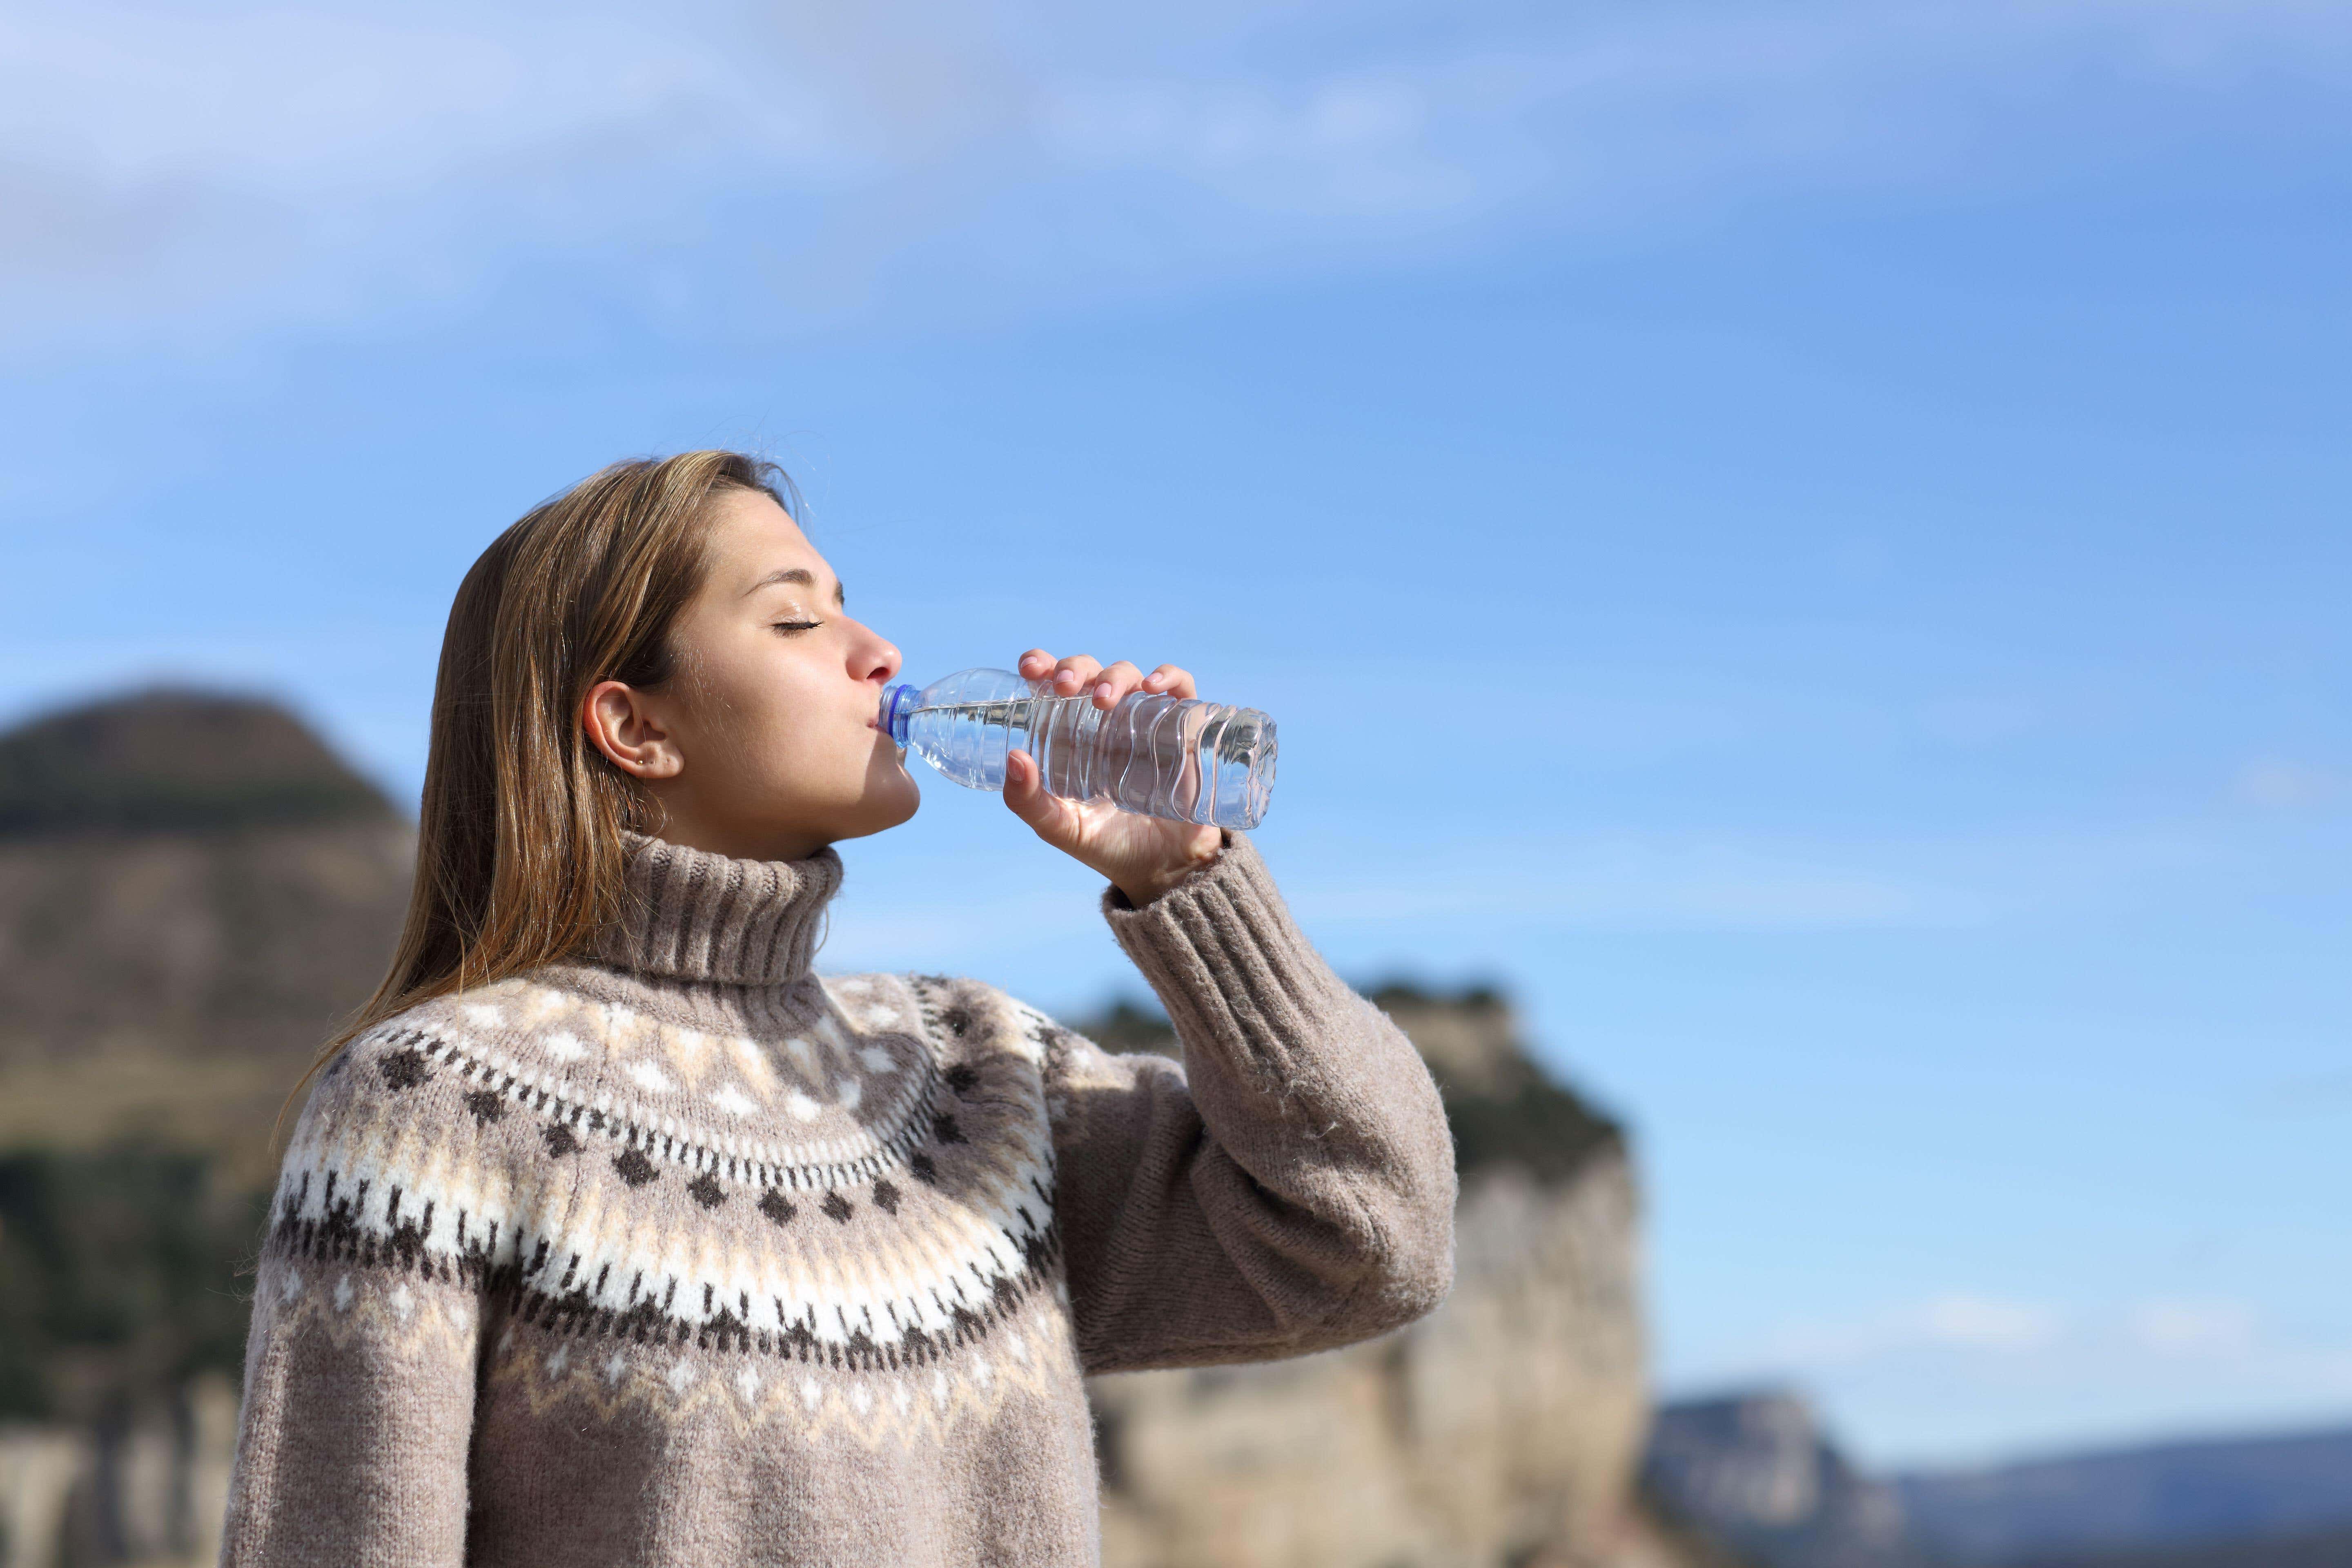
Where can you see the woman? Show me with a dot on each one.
(612, 1235)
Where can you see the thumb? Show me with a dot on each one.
(1025, 798)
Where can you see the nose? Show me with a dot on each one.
(874, 657)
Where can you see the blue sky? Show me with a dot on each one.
(1808, 542)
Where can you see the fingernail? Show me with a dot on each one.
(1102, 688)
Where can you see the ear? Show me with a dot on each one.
(621, 723)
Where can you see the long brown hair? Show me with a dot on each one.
(519, 849)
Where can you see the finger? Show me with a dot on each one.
(1076, 673)
(1035, 663)
(1021, 792)
(1116, 682)
(1171, 680)
(1025, 798)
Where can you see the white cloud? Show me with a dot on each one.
(2195, 1327)
(2281, 786)
(1985, 1325)
(302, 103)
(1978, 1323)
(255, 165)
(1345, 145)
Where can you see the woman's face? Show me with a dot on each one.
(763, 744)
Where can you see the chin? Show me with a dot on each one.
(887, 803)
(903, 808)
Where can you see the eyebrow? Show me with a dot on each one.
(800, 574)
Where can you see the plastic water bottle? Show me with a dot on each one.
(1176, 757)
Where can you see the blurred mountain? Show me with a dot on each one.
(1757, 1472)
(2254, 1500)
(170, 761)
(1504, 1428)
(2319, 1549)
(193, 890)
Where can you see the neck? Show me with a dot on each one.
(683, 826)
(740, 845)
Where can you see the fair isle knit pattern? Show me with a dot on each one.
(680, 1254)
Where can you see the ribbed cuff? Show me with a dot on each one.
(1115, 899)
(1222, 953)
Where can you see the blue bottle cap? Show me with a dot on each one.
(897, 702)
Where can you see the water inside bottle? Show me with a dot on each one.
(1181, 758)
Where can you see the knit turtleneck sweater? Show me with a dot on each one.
(681, 1254)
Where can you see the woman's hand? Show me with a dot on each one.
(1142, 856)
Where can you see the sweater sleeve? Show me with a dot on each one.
(1288, 1187)
(362, 1358)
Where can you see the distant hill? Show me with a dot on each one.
(2241, 1498)
(2321, 1549)
(1756, 1471)
(193, 891)
(174, 761)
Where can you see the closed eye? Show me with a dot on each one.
(798, 626)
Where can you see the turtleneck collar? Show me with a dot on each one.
(687, 914)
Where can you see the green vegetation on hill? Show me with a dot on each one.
(1543, 1129)
(1504, 1110)
(167, 761)
(118, 1277)
(1126, 1028)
